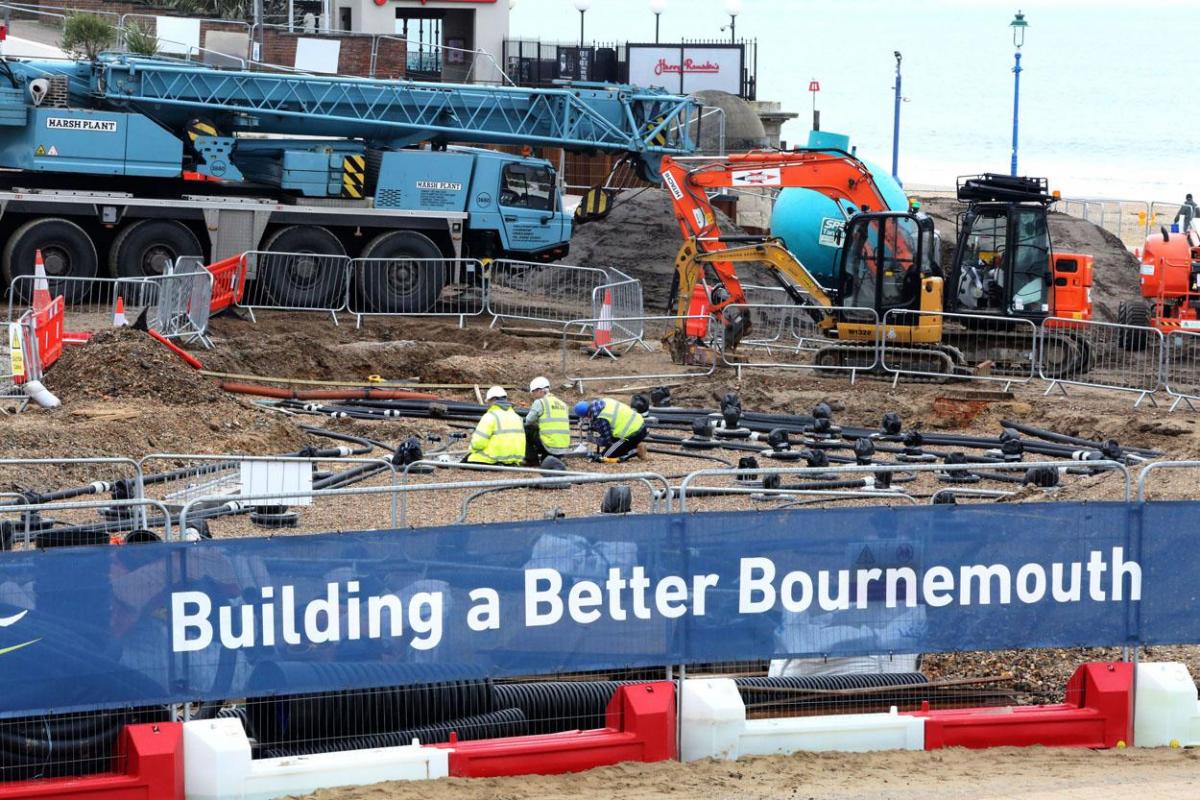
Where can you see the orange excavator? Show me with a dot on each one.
(1003, 266)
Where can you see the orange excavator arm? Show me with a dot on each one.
(839, 176)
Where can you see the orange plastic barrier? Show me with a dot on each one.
(1097, 714)
(152, 756)
(229, 283)
(640, 726)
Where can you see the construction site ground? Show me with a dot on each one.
(126, 396)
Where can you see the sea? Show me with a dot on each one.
(1109, 95)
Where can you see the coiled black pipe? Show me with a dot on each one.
(556, 706)
(67, 745)
(495, 725)
(748, 687)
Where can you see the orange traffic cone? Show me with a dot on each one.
(41, 289)
(603, 336)
(119, 320)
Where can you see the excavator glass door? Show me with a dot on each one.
(1002, 267)
(882, 262)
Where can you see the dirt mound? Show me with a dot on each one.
(127, 364)
(1116, 270)
(641, 238)
(313, 348)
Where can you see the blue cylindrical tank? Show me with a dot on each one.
(810, 223)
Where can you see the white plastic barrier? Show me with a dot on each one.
(1167, 709)
(714, 725)
(217, 766)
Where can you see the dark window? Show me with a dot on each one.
(527, 186)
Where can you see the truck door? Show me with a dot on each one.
(529, 207)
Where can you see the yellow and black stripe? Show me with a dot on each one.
(596, 204)
(200, 127)
(659, 139)
(354, 176)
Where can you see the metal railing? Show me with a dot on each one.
(427, 287)
(589, 324)
(971, 347)
(1181, 367)
(296, 282)
(797, 341)
(1101, 355)
(542, 293)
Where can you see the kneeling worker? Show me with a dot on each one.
(499, 438)
(616, 428)
(547, 424)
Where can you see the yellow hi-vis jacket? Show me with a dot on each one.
(553, 419)
(499, 437)
(623, 420)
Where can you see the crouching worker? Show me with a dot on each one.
(616, 428)
(547, 424)
(499, 438)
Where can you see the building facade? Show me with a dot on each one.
(442, 35)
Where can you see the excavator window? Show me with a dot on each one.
(1004, 261)
(981, 260)
(1031, 264)
(882, 262)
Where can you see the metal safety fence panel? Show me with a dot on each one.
(622, 297)
(1164, 214)
(543, 293)
(584, 359)
(295, 282)
(1128, 220)
(90, 303)
(184, 301)
(790, 336)
(1167, 480)
(427, 287)
(970, 347)
(1100, 355)
(1181, 367)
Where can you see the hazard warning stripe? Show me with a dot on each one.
(595, 202)
(659, 138)
(354, 176)
(198, 128)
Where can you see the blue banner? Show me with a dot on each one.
(148, 624)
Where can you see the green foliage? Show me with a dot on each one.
(87, 35)
(139, 40)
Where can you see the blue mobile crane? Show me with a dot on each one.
(149, 159)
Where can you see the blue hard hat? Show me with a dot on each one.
(583, 408)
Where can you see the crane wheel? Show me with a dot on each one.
(304, 267)
(1135, 314)
(399, 272)
(147, 248)
(67, 251)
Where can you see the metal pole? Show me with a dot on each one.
(733, 28)
(895, 125)
(581, 13)
(657, 19)
(1016, 107)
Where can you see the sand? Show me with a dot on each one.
(1031, 774)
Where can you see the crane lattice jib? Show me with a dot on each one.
(644, 123)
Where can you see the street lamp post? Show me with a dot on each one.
(896, 123)
(583, 6)
(733, 8)
(658, 7)
(1018, 26)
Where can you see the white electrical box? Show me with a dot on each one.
(269, 478)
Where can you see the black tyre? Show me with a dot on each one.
(148, 247)
(67, 251)
(303, 268)
(1138, 315)
(404, 274)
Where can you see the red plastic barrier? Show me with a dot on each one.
(153, 759)
(1097, 714)
(640, 724)
(229, 283)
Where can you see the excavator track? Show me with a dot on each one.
(940, 362)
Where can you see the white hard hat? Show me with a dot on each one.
(496, 393)
(538, 383)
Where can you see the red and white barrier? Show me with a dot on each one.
(1168, 711)
(639, 726)
(151, 757)
(715, 726)
(219, 766)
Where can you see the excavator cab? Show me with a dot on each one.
(1003, 265)
(889, 263)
